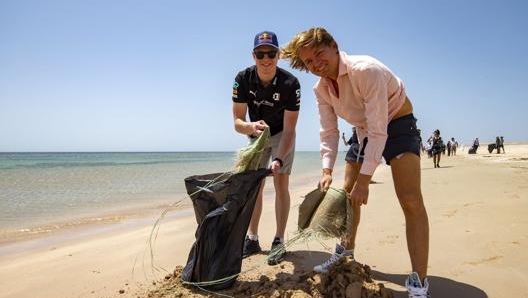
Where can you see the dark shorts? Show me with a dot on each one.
(272, 146)
(402, 136)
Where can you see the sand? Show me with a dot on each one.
(477, 206)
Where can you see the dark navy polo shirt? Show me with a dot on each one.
(267, 103)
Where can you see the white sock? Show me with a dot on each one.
(253, 237)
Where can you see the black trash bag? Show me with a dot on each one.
(492, 147)
(223, 210)
(206, 194)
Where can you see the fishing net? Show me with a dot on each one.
(248, 158)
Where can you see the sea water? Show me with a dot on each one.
(40, 192)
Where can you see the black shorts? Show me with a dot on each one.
(402, 136)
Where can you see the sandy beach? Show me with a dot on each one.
(477, 207)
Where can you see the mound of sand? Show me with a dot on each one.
(347, 279)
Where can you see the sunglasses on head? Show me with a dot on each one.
(270, 54)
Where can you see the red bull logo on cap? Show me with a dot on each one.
(265, 38)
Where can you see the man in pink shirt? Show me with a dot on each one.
(365, 93)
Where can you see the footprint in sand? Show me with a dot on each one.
(391, 239)
(490, 259)
(451, 213)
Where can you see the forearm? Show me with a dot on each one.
(244, 127)
(363, 180)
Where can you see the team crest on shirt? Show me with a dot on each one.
(235, 89)
(276, 96)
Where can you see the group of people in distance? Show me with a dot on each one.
(356, 88)
(499, 144)
(435, 147)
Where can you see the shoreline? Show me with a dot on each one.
(94, 219)
(103, 224)
(85, 232)
(83, 200)
(119, 218)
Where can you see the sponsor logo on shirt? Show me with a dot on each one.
(263, 102)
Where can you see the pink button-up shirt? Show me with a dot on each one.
(370, 95)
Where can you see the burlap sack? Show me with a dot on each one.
(325, 212)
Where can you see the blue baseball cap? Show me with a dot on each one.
(266, 38)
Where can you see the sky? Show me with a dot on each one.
(157, 75)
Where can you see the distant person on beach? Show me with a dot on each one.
(498, 144)
(354, 154)
(454, 146)
(353, 142)
(501, 144)
(422, 148)
(271, 97)
(369, 96)
(474, 147)
(437, 147)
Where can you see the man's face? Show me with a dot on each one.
(266, 58)
(321, 60)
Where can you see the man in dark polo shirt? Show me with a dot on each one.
(271, 97)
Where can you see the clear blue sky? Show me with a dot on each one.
(126, 75)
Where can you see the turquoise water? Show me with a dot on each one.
(40, 192)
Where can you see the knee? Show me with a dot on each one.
(282, 193)
(281, 182)
(412, 204)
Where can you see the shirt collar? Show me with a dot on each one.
(255, 79)
(342, 69)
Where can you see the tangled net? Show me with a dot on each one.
(248, 158)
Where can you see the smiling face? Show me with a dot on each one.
(322, 60)
(266, 66)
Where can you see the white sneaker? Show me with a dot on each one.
(415, 288)
(340, 252)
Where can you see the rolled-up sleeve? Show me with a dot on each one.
(329, 132)
(374, 90)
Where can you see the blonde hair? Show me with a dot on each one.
(312, 37)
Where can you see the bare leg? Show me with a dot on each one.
(407, 180)
(282, 202)
(436, 160)
(351, 174)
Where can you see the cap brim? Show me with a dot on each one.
(266, 44)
